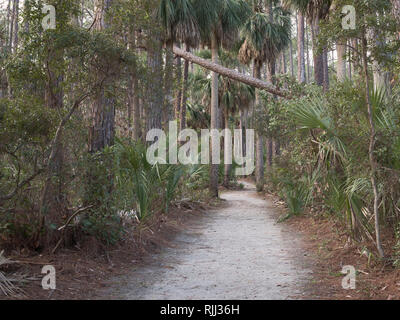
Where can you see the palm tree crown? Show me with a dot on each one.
(265, 39)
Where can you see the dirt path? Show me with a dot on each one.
(237, 252)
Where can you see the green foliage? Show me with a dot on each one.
(101, 221)
(142, 186)
(327, 139)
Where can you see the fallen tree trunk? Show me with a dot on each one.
(229, 73)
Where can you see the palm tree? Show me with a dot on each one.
(264, 39)
(232, 96)
(219, 22)
(315, 10)
(180, 24)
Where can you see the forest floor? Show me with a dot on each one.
(232, 249)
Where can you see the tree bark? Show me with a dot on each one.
(184, 93)
(168, 81)
(134, 107)
(283, 63)
(318, 57)
(341, 61)
(291, 58)
(260, 139)
(270, 152)
(154, 83)
(102, 127)
(326, 69)
(16, 26)
(227, 171)
(214, 114)
(301, 67)
(308, 54)
(178, 96)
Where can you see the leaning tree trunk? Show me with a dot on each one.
(371, 151)
(301, 66)
(214, 116)
(232, 74)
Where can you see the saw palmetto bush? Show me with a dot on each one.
(148, 188)
(326, 137)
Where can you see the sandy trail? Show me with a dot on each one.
(237, 252)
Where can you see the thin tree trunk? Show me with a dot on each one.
(16, 26)
(102, 124)
(154, 97)
(277, 147)
(270, 152)
(178, 96)
(301, 68)
(184, 93)
(341, 61)
(283, 64)
(291, 58)
(136, 109)
(53, 202)
(318, 57)
(326, 69)
(308, 54)
(227, 171)
(260, 139)
(12, 25)
(214, 115)
(168, 81)
(102, 128)
(372, 159)
(350, 63)
(243, 127)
